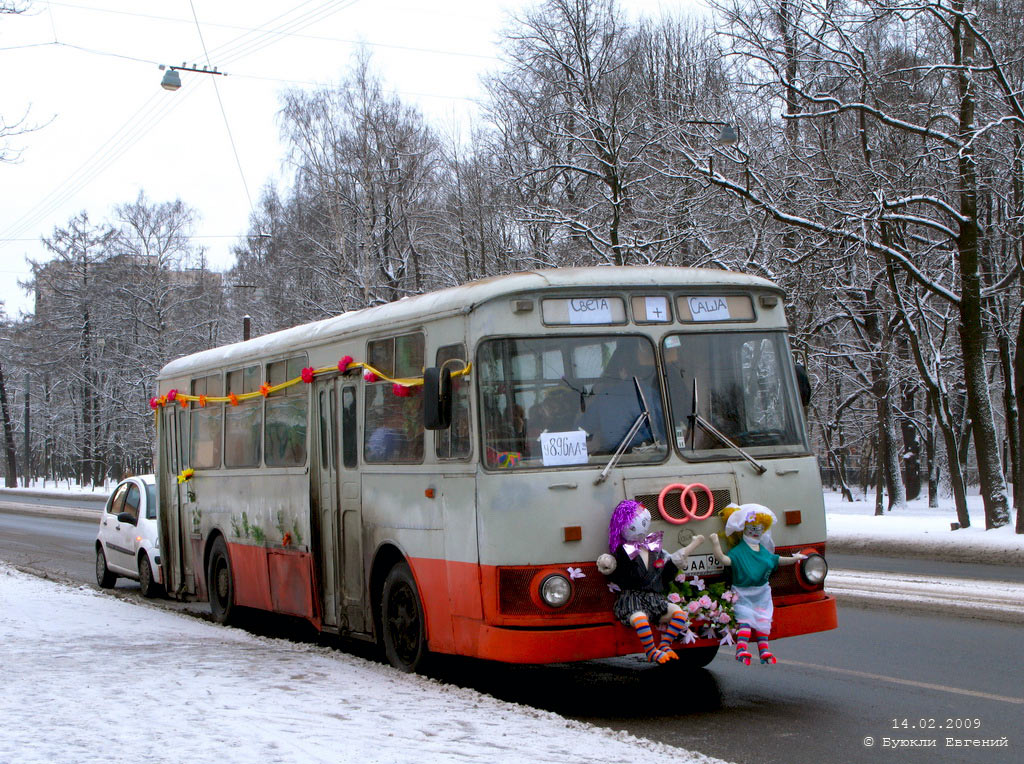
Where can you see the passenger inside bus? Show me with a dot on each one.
(557, 411)
(614, 404)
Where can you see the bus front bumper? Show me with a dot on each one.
(526, 645)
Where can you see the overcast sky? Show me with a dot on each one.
(87, 71)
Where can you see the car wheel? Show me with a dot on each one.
(104, 577)
(220, 583)
(150, 588)
(404, 635)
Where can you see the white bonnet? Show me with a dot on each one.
(738, 519)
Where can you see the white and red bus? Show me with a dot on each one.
(437, 474)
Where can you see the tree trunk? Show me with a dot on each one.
(11, 475)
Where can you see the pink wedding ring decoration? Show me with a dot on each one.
(687, 502)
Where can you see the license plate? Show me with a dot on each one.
(702, 564)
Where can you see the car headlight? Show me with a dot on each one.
(555, 590)
(814, 569)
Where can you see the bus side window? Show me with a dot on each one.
(349, 447)
(286, 416)
(243, 425)
(454, 442)
(393, 425)
(205, 427)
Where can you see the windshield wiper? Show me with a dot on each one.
(697, 420)
(644, 417)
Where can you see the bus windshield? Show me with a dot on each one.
(743, 385)
(560, 401)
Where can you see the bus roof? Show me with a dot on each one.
(458, 299)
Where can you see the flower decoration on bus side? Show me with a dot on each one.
(344, 363)
(202, 401)
(186, 474)
(286, 540)
(264, 389)
(369, 376)
(307, 375)
(575, 573)
(399, 391)
(171, 395)
(155, 403)
(232, 399)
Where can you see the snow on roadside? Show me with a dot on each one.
(92, 678)
(854, 526)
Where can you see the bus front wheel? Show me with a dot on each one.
(404, 635)
(220, 583)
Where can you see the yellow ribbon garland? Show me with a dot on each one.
(268, 390)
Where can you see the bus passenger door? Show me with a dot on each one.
(326, 512)
(355, 600)
(175, 506)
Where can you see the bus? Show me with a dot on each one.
(437, 474)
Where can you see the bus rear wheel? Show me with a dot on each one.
(220, 583)
(402, 624)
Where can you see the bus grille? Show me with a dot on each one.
(589, 594)
(722, 497)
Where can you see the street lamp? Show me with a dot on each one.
(172, 80)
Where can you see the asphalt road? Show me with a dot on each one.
(884, 675)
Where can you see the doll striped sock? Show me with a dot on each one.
(646, 634)
(742, 653)
(763, 652)
(671, 632)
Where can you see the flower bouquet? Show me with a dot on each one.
(708, 608)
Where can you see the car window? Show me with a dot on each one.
(131, 501)
(151, 501)
(116, 505)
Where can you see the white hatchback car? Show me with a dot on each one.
(128, 543)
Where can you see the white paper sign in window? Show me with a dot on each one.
(656, 309)
(709, 309)
(560, 448)
(590, 310)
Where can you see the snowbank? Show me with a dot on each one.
(919, 531)
(91, 678)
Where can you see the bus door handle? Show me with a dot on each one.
(562, 486)
(789, 471)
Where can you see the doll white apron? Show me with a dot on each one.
(754, 606)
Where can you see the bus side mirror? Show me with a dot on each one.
(804, 383)
(437, 398)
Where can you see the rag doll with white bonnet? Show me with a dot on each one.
(642, 570)
(753, 560)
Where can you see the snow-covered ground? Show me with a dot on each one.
(91, 678)
(921, 530)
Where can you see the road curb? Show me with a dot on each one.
(68, 513)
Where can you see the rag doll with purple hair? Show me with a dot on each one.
(642, 571)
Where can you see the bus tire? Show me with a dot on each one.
(150, 588)
(104, 577)
(220, 583)
(696, 657)
(401, 617)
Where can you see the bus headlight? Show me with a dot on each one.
(555, 590)
(814, 569)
